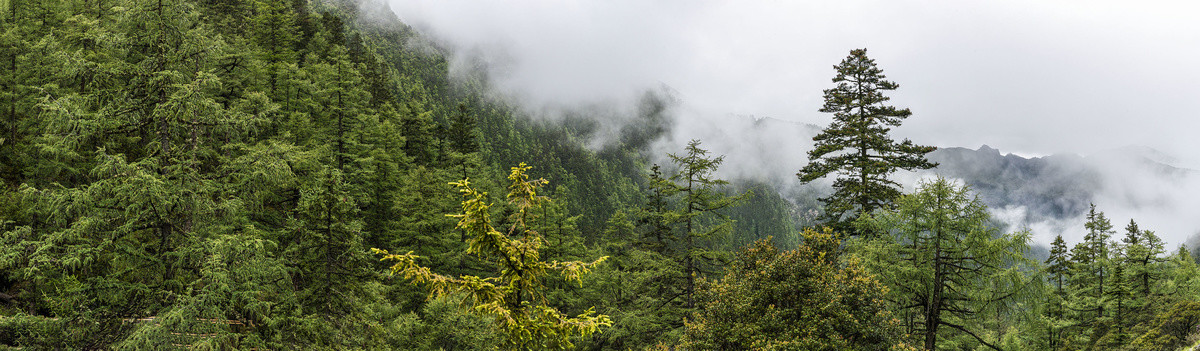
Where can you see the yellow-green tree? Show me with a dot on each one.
(514, 297)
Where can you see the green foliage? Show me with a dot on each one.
(810, 298)
(856, 146)
(1171, 328)
(208, 174)
(700, 198)
(946, 266)
(513, 297)
(1091, 264)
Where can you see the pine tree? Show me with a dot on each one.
(326, 240)
(275, 31)
(420, 140)
(1119, 295)
(1058, 264)
(856, 145)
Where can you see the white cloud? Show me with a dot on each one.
(1027, 76)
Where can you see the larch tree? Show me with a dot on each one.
(945, 264)
(701, 196)
(515, 295)
(856, 146)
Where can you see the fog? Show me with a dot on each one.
(1032, 78)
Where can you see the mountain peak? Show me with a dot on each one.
(988, 149)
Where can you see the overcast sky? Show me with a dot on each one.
(1031, 77)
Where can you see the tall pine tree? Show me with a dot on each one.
(856, 146)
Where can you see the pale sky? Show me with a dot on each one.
(1033, 77)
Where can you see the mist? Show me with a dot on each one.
(1028, 77)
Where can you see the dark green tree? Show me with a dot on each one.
(701, 218)
(1058, 269)
(655, 216)
(275, 31)
(856, 146)
(1144, 251)
(463, 131)
(1091, 265)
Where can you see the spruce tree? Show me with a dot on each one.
(856, 146)
(463, 131)
(1058, 268)
(1099, 265)
(1145, 256)
(655, 218)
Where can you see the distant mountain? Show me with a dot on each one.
(1057, 186)
(1060, 186)
(1132, 181)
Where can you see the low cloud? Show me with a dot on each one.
(746, 78)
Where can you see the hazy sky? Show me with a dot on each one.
(1031, 77)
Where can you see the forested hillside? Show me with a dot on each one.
(295, 174)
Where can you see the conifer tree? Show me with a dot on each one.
(515, 296)
(1058, 268)
(275, 31)
(946, 264)
(856, 146)
(810, 298)
(1058, 264)
(463, 131)
(694, 181)
(1092, 265)
(1119, 295)
(655, 214)
(325, 238)
(420, 140)
(1144, 252)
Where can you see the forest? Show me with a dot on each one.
(304, 174)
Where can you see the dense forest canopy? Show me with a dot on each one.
(271, 174)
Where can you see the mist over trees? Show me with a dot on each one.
(234, 174)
